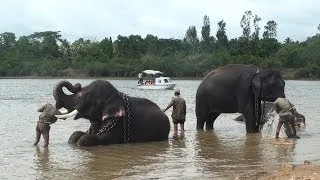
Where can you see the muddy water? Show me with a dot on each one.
(224, 153)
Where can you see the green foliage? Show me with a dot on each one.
(48, 54)
(311, 71)
(221, 35)
(270, 30)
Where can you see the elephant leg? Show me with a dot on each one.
(250, 120)
(200, 124)
(210, 120)
(202, 117)
(74, 138)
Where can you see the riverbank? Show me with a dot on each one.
(288, 74)
(288, 171)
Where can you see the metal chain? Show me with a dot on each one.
(114, 121)
(126, 123)
(89, 131)
(263, 115)
(257, 111)
(109, 126)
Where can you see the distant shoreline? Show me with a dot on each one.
(125, 78)
(111, 78)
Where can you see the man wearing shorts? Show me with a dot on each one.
(287, 113)
(43, 124)
(178, 112)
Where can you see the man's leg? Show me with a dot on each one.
(38, 134)
(280, 123)
(46, 139)
(293, 128)
(182, 129)
(175, 129)
(45, 135)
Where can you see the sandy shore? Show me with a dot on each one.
(307, 171)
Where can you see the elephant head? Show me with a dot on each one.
(96, 102)
(268, 85)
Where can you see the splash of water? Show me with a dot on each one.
(270, 127)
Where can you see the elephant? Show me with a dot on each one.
(237, 88)
(115, 117)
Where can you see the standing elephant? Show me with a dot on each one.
(237, 88)
(115, 117)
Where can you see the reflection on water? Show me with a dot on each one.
(224, 153)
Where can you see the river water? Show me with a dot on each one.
(225, 153)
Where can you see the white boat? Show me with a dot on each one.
(156, 81)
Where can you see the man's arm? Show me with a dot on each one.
(169, 105)
(41, 109)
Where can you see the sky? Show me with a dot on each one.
(96, 19)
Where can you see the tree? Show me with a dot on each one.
(24, 45)
(255, 34)
(245, 24)
(107, 47)
(205, 33)
(221, 34)
(65, 48)
(270, 30)
(288, 40)
(191, 38)
(7, 40)
(48, 42)
(152, 45)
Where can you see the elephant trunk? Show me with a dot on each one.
(62, 99)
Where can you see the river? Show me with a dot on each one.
(224, 153)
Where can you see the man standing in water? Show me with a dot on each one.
(178, 112)
(47, 117)
(287, 113)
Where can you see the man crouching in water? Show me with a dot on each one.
(43, 124)
(287, 113)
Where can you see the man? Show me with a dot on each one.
(178, 112)
(140, 78)
(43, 124)
(287, 113)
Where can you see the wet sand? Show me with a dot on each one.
(289, 171)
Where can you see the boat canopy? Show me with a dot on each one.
(152, 72)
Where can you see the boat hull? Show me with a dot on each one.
(164, 86)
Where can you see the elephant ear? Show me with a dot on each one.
(113, 112)
(257, 84)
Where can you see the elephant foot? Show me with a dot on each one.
(209, 127)
(88, 140)
(253, 131)
(200, 126)
(74, 138)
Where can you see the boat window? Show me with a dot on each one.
(159, 81)
(166, 80)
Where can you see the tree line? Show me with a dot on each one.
(48, 54)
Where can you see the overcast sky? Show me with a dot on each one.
(96, 19)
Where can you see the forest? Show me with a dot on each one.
(48, 54)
